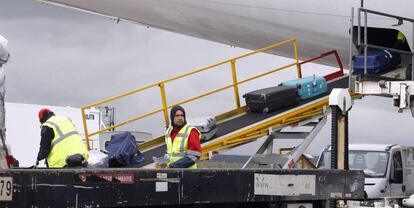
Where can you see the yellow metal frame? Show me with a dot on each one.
(262, 129)
(166, 106)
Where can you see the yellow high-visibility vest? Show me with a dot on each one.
(179, 148)
(401, 37)
(66, 142)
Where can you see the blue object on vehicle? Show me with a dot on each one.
(308, 87)
(377, 61)
(123, 150)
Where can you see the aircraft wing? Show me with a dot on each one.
(319, 26)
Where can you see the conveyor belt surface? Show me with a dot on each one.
(247, 119)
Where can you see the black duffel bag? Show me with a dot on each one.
(76, 160)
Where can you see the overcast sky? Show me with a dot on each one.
(70, 58)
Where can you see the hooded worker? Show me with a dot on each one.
(182, 140)
(61, 144)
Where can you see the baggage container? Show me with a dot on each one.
(377, 61)
(308, 87)
(272, 98)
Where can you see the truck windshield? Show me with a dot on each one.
(373, 163)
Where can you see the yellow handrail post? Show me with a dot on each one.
(164, 103)
(295, 46)
(85, 129)
(235, 83)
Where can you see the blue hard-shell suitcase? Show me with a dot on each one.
(308, 87)
(377, 61)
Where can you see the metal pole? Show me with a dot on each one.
(359, 29)
(351, 35)
(164, 103)
(85, 129)
(334, 146)
(235, 83)
(412, 56)
(295, 48)
(341, 142)
(365, 41)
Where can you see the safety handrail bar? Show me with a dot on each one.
(249, 137)
(306, 114)
(331, 76)
(365, 45)
(385, 14)
(387, 48)
(161, 85)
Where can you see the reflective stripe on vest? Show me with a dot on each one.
(61, 135)
(178, 148)
(66, 141)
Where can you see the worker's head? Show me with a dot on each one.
(4, 53)
(177, 115)
(45, 114)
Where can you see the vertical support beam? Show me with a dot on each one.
(302, 162)
(412, 56)
(295, 47)
(341, 141)
(164, 103)
(359, 30)
(365, 41)
(340, 102)
(334, 138)
(351, 84)
(346, 143)
(339, 146)
(235, 83)
(85, 126)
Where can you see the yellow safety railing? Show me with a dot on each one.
(163, 96)
(259, 130)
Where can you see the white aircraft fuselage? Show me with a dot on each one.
(319, 26)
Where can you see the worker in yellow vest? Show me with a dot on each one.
(400, 43)
(182, 140)
(61, 144)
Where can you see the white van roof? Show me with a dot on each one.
(369, 147)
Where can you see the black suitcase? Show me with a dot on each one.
(272, 98)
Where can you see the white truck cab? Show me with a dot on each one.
(388, 168)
